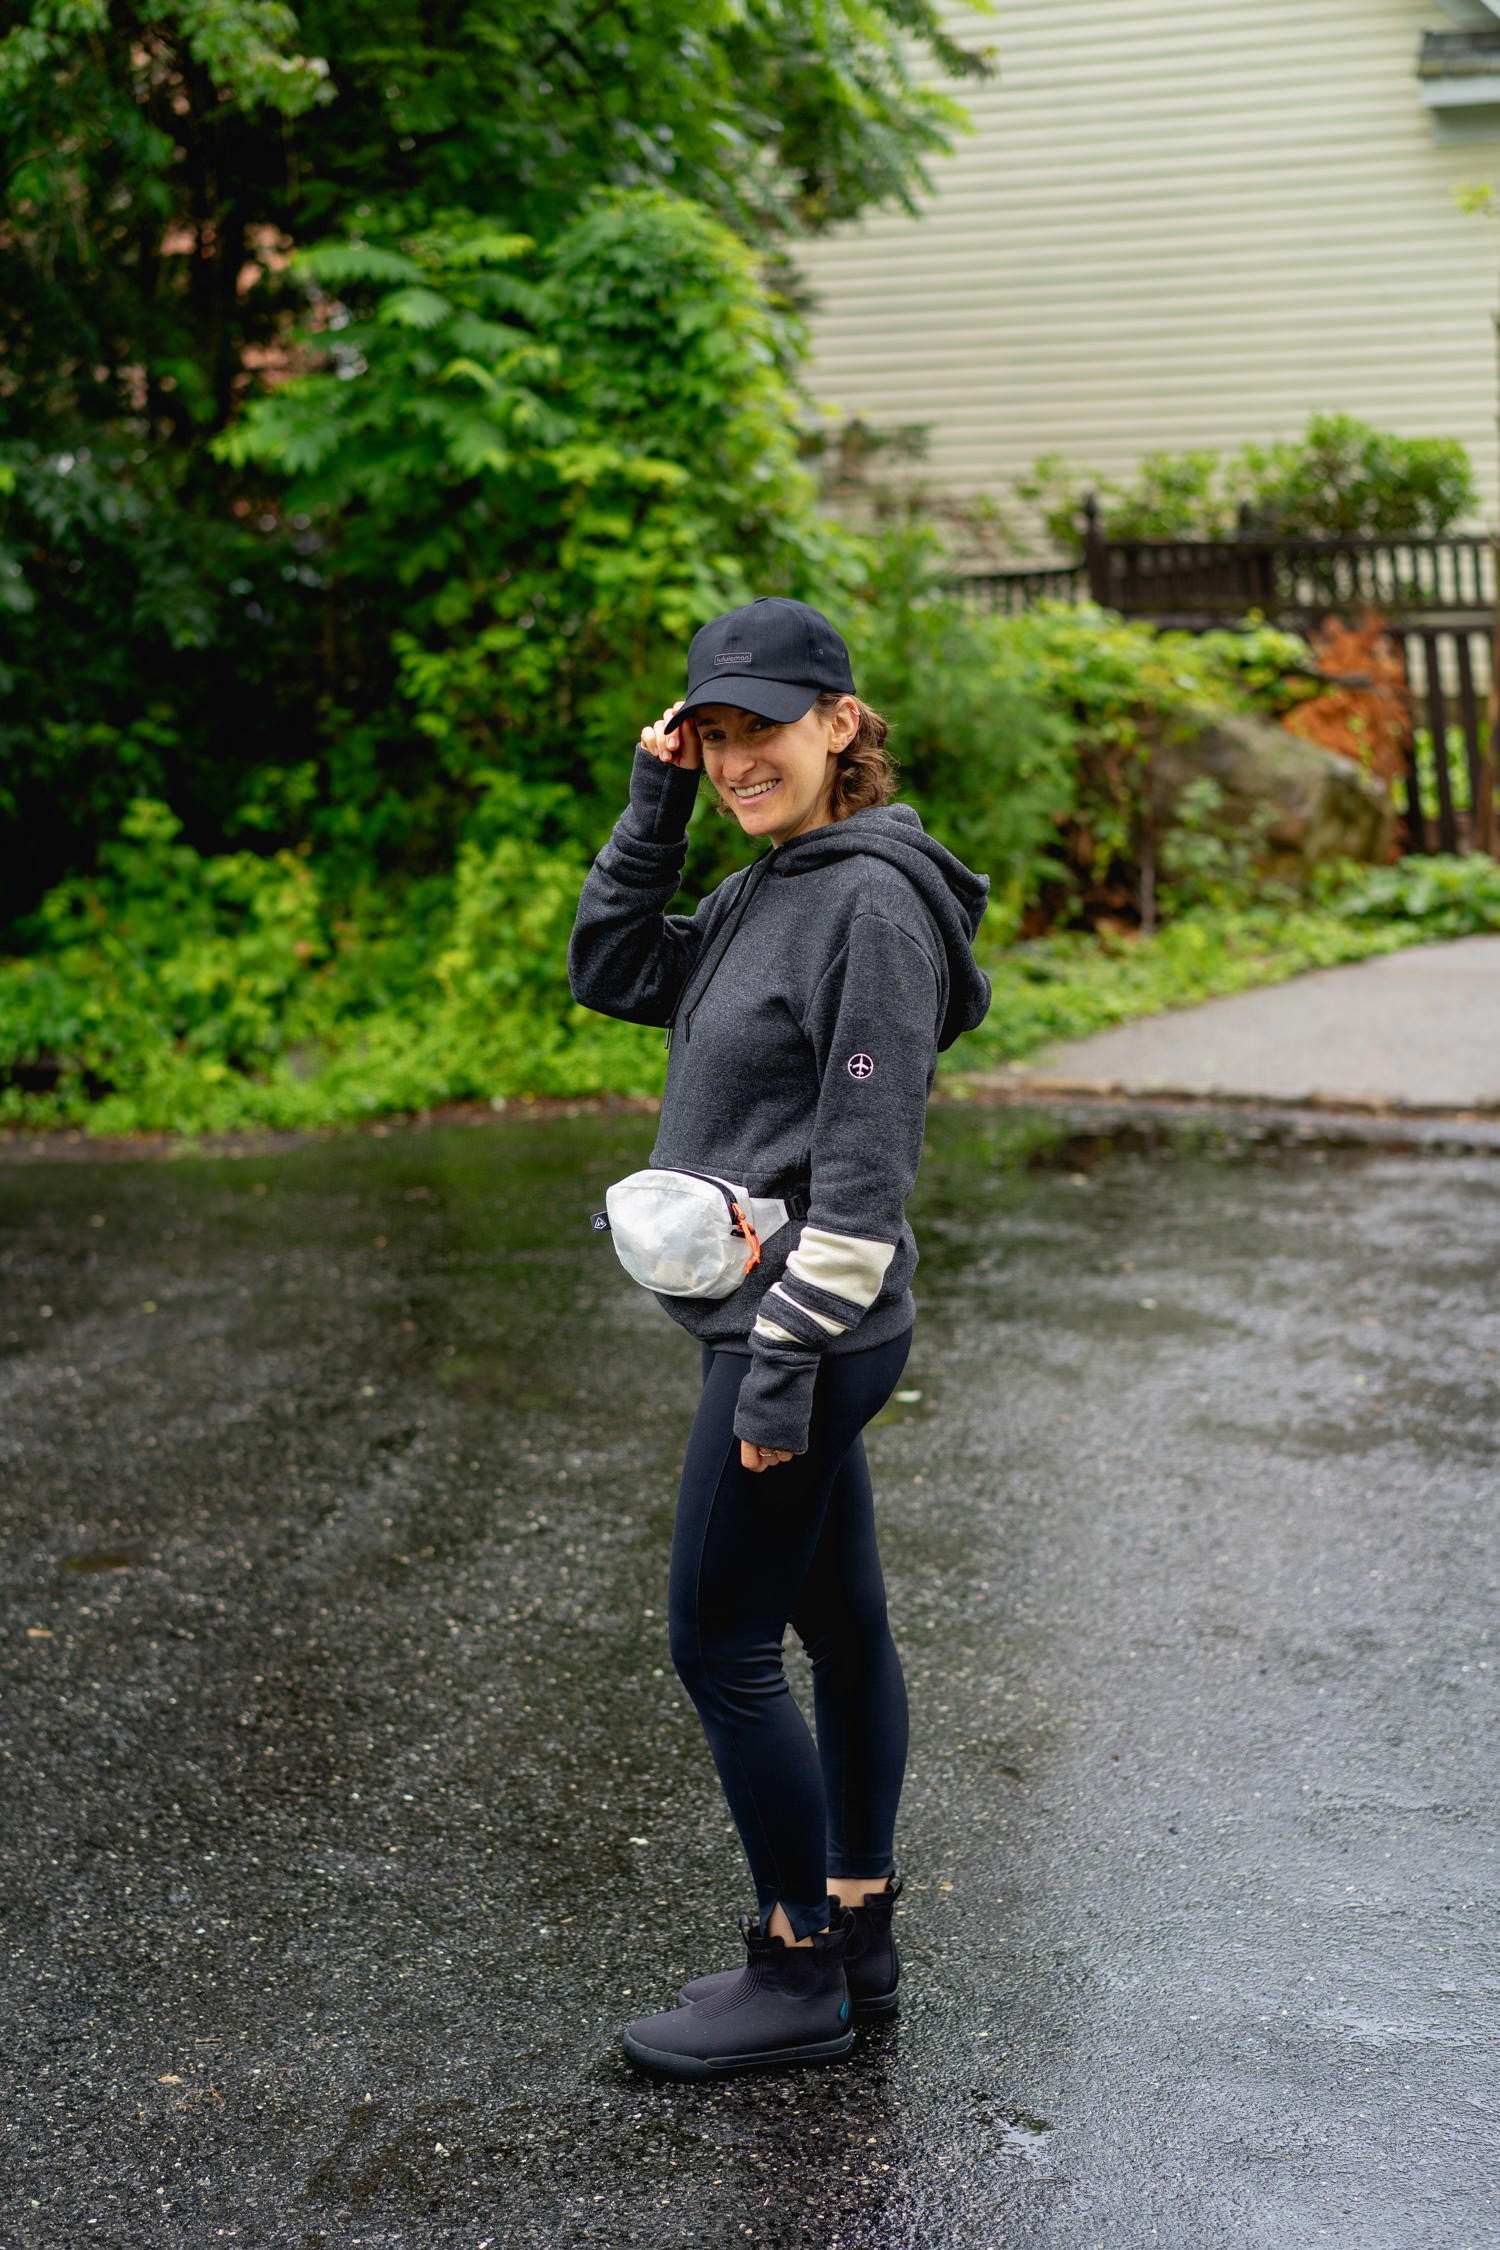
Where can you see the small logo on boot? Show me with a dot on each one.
(843, 2010)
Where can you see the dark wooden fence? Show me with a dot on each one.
(1010, 591)
(1437, 597)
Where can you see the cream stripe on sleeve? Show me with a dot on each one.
(851, 1265)
(834, 1327)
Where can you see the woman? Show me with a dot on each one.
(805, 1003)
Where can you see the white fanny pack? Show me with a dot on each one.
(690, 1234)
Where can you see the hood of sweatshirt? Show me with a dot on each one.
(954, 895)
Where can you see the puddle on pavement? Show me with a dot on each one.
(1026, 2140)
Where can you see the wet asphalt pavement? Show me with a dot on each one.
(352, 1803)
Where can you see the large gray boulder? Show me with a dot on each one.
(1313, 805)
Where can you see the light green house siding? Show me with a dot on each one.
(1178, 223)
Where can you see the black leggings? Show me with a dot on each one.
(795, 1544)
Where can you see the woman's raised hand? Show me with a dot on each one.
(681, 748)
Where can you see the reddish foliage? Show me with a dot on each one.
(1367, 724)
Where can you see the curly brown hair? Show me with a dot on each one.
(866, 773)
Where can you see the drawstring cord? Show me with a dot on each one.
(721, 947)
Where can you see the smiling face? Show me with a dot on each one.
(743, 753)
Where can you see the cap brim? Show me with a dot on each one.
(768, 699)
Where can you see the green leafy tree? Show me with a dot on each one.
(175, 627)
(566, 455)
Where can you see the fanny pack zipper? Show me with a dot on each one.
(739, 1219)
(795, 1199)
(740, 1222)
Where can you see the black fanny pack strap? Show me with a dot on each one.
(795, 1199)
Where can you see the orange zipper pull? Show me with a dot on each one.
(747, 1229)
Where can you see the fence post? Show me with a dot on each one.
(1476, 757)
(1437, 728)
(1485, 824)
(1095, 551)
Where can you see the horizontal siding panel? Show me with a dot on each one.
(1070, 429)
(1109, 34)
(1201, 293)
(1048, 275)
(998, 257)
(1279, 410)
(1169, 355)
(1188, 227)
(1074, 421)
(1167, 358)
(1222, 194)
(1102, 38)
(1024, 381)
(1224, 90)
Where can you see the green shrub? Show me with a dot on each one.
(1117, 689)
(164, 970)
(985, 751)
(179, 990)
(1447, 896)
(1340, 479)
(1025, 741)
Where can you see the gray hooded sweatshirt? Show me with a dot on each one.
(806, 1002)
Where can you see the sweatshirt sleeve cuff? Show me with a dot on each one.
(776, 1397)
(661, 798)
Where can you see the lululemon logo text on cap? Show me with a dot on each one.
(860, 1066)
(735, 656)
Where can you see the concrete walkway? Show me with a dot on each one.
(1410, 1031)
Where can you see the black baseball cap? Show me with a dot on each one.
(774, 657)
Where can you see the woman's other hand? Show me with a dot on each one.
(758, 1457)
(682, 748)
